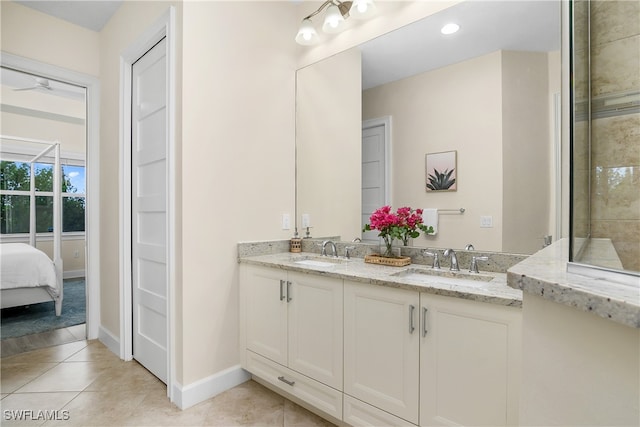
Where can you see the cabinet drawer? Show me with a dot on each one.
(360, 414)
(319, 395)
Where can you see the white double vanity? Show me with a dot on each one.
(367, 345)
(371, 345)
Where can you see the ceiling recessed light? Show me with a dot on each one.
(450, 28)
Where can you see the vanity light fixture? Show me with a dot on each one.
(450, 28)
(335, 18)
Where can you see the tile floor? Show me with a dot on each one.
(82, 383)
(12, 346)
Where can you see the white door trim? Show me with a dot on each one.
(163, 27)
(92, 228)
(386, 122)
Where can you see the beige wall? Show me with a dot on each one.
(237, 161)
(493, 110)
(615, 168)
(72, 265)
(453, 108)
(526, 164)
(31, 34)
(328, 145)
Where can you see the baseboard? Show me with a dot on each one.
(206, 388)
(109, 340)
(73, 274)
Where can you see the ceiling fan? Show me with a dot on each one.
(40, 83)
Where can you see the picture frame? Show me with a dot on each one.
(441, 171)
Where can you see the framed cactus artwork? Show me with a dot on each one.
(442, 171)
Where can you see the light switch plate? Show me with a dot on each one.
(486, 221)
(306, 220)
(286, 221)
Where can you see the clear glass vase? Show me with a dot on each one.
(387, 249)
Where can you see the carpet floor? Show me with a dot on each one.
(36, 318)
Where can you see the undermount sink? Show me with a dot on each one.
(319, 261)
(444, 276)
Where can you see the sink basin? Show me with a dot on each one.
(318, 261)
(444, 277)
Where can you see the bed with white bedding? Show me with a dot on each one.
(27, 276)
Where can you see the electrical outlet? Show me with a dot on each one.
(286, 221)
(306, 220)
(486, 221)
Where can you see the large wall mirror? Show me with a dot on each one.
(490, 93)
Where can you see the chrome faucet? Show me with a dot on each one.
(436, 259)
(474, 263)
(454, 259)
(333, 247)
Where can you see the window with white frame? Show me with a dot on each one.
(15, 197)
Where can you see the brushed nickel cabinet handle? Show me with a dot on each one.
(289, 291)
(424, 321)
(282, 290)
(411, 310)
(286, 381)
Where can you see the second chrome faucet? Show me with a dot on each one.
(450, 253)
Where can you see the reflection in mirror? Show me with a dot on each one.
(487, 95)
(605, 135)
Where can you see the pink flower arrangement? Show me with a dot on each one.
(402, 224)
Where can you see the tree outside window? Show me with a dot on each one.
(15, 204)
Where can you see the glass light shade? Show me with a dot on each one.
(307, 35)
(362, 9)
(450, 29)
(333, 20)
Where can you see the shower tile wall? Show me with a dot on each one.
(580, 148)
(615, 67)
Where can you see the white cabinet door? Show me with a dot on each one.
(470, 359)
(315, 327)
(265, 312)
(381, 345)
(293, 319)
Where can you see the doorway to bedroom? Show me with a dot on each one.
(36, 110)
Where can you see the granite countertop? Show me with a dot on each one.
(494, 291)
(545, 274)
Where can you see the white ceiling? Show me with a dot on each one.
(485, 26)
(91, 14)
